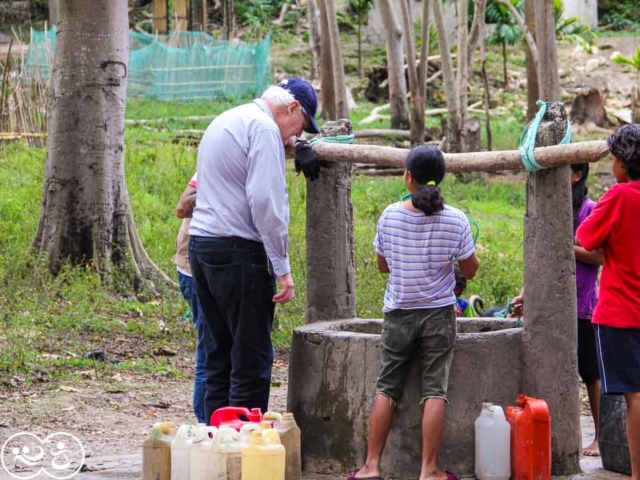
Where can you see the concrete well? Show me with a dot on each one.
(332, 375)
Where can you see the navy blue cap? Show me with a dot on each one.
(303, 92)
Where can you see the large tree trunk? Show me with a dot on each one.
(417, 94)
(395, 63)
(54, 12)
(86, 216)
(228, 19)
(531, 63)
(453, 100)
(313, 17)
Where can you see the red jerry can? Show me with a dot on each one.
(530, 439)
(235, 417)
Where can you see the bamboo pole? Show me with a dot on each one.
(555, 156)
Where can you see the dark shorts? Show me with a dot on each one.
(618, 358)
(427, 334)
(587, 355)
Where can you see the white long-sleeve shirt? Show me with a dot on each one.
(242, 189)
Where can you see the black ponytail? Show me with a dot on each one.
(426, 165)
(579, 190)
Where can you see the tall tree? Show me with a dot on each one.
(395, 65)
(449, 79)
(337, 62)
(313, 17)
(547, 51)
(54, 12)
(531, 63)
(417, 90)
(86, 216)
(228, 19)
(462, 132)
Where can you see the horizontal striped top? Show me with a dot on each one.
(419, 251)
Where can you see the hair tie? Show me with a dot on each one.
(431, 182)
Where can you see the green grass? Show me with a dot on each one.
(44, 318)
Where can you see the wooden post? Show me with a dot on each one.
(160, 16)
(200, 16)
(331, 280)
(550, 328)
(180, 15)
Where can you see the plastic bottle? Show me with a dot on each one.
(201, 465)
(180, 449)
(530, 439)
(156, 452)
(290, 438)
(226, 455)
(262, 459)
(493, 436)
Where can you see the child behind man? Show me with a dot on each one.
(416, 243)
(614, 227)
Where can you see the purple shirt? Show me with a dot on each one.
(586, 275)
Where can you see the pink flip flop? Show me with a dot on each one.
(451, 476)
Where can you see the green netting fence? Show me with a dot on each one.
(181, 66)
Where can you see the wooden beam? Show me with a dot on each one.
(160, 16)
(180, 15)
(583, 152)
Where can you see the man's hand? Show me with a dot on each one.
(287, 289)
(306, 161)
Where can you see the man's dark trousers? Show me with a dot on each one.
(235, 285)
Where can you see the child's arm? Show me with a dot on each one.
(594, 232)
(187, 202)
(382, 264)
(595, 257)
(468, 266)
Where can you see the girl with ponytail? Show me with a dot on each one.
(417, 242)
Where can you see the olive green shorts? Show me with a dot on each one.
(428, 334)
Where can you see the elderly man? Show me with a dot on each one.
(239, 237)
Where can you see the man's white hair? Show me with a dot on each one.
(278, 95)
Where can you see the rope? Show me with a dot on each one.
(528, 139)
(336, 139)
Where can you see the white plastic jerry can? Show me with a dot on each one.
(246, 429)
(201, 465)
(226, 454)
(493, 436)
(180, 449)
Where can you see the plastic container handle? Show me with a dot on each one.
(205, 433)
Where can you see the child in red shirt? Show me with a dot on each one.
(614, 226)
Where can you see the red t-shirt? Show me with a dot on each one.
(614, 225)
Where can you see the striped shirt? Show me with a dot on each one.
(419, 251)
